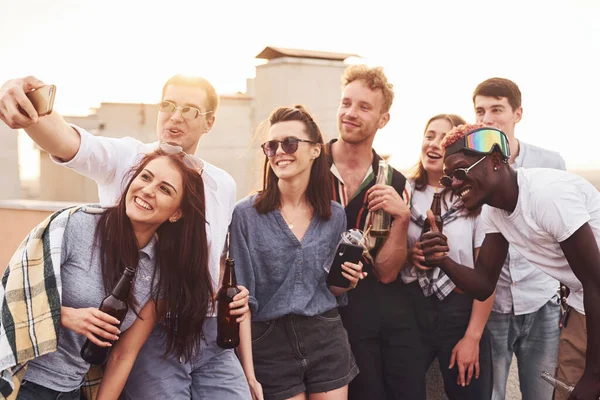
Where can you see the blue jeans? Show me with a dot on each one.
(533, 339)
(215, 373)
(33, 391)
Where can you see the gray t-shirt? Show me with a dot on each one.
(82, 287)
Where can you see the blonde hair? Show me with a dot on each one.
(374, 78)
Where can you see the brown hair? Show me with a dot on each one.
(212, 98)
(498, 88)
(418, 173)
(183, 287)
(374, 78)
(318, 192)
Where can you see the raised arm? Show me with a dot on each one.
(124, 352)
(581, 251)
(51, 132)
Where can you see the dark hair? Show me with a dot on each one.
(498, 88)
(418, 172)
(212, 98)
(318, 193)
(182, 284)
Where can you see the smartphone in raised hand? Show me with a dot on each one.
(42, 99)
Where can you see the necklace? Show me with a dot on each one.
(286, 219)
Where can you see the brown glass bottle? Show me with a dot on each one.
(115, 304)
(436, 209)
(228, 330)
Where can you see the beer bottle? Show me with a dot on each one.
(436, 209)
(115, 304)
(559, 386)
(381, 222)
(228, 330)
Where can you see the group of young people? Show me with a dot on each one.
(472, 295)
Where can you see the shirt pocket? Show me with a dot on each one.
(321, 258)
(274, 263)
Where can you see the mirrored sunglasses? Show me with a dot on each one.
(482, 141)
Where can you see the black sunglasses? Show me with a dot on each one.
(459, 173)
(289, 145)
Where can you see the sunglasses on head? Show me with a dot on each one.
(289, 145)
(459, 173)
(482, 141)
(190, 160)
(188, 112)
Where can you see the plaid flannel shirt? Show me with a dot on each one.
(30, 303)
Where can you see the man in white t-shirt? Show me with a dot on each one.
(551, 217)
(524, 321)
(187, 111)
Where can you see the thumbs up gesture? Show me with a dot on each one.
(434, 244)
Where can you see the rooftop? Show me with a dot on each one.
(270, 53)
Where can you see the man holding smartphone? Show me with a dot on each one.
(379, 316)
(186, 112)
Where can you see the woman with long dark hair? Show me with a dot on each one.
(283, 240)
(452, 324)
(158, 228)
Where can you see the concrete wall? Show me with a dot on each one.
(17, 218)
(315, 84)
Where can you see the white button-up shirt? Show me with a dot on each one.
(522, 288)
(108, 160)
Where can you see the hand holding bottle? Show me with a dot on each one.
(588, 387)
(239, 305)
(434, 243)
(91, 323)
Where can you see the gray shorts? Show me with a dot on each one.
(214, 374)
(296, 354)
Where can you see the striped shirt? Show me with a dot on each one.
(356, 205)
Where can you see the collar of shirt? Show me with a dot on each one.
(519, 159)
(344, 198)
(150, 248)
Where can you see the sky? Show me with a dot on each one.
(434, 52)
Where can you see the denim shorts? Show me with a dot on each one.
(295, 354)
(33, 391)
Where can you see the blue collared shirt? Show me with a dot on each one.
(522, 288)
(283, 275)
